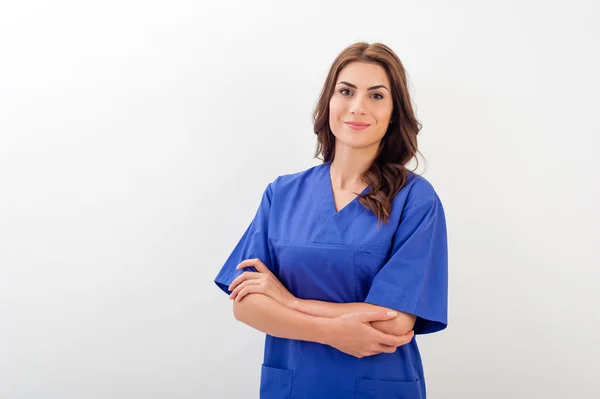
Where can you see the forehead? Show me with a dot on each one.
(363, 74)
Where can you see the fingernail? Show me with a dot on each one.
(391, 313)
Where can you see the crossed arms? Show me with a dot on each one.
(360, 329)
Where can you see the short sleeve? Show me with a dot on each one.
(415, 278)
(253, 244)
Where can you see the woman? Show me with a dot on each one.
(345, 261)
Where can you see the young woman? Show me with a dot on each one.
(345, 261)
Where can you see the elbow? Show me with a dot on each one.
(402, 324)
(238, 310)
(242, 309)
(405, 323)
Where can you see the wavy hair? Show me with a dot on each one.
(388, 173)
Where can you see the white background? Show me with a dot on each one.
(136, 139)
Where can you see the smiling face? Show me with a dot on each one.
(362, 96)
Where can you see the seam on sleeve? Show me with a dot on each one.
(432, 199)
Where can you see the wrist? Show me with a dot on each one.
(295, 304)
(325, 330)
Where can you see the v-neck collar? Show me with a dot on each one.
(329, 189)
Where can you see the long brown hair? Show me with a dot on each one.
(387, 174)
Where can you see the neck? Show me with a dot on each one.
(349, 164)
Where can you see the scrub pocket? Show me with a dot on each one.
(275, 383)
(379, 389)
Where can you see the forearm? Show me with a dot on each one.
(399, 325)
(269, 316)
(331, 309)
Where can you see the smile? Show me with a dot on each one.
(357, 125)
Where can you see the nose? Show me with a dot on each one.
(357, 106)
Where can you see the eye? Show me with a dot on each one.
(343, 90)
(380, 96)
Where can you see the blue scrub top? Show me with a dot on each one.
(318, 253)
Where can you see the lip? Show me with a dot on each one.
(357, 125)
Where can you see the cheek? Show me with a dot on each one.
(384, 115)
(335, 110)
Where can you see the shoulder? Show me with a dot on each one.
(294, 180)
(418, 190)
(419, 205)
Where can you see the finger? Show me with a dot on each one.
(242, 277)
(393, 340)
(386, 348)
(249, 289)
(242, 285)
(257, 263)
(386, 339)
(237, 289)
(376, 316)
(245, 263)
(406, 338)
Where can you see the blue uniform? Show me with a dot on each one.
(341, 256)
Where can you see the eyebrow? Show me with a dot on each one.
(370, 88)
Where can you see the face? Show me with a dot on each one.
(362, 94)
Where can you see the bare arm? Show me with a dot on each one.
(350, 333)
(400, 325)
(269, 316)
(283, 315)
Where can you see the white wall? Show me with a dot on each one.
(136, 138)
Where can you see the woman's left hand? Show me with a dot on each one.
(262, 282)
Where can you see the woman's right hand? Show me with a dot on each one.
(353, 334)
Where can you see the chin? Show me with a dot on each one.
(357, 142)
